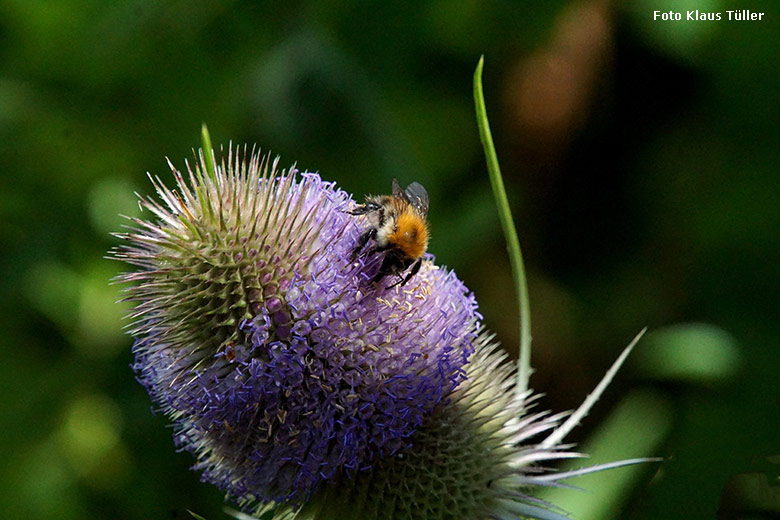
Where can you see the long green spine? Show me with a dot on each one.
(510, 233)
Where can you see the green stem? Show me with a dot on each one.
(510, 233)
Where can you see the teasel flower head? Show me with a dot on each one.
(483, 454)
(279, 362)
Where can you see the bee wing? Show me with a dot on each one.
(417, 197)
(398, 192)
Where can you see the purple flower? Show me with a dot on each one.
(483, 453)
(279, 362)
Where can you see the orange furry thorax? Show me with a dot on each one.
(410, 234)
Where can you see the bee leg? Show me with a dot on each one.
(362, 241)
(390, 264)
(413, 271)
(362, 209)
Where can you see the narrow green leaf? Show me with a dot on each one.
(510, 233)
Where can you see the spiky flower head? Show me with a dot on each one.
(482, 454)
(280, 364)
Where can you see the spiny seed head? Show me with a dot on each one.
(280, 364)
(472, 458)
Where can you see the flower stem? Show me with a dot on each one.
(510, 233)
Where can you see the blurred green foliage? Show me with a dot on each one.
(641, 159)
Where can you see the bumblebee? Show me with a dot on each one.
(397, 227)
